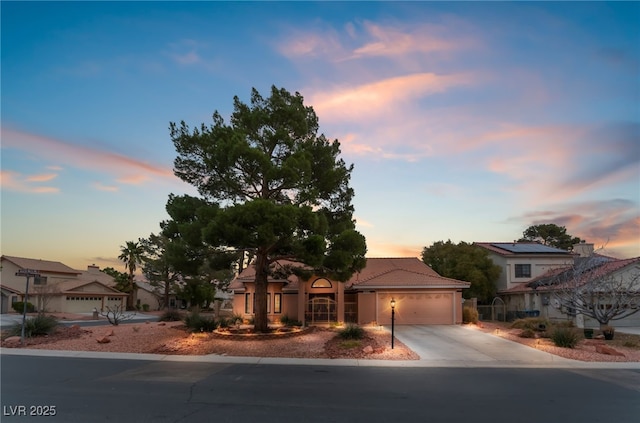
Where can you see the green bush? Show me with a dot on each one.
(289, 322)
(198, 323)
(19, 307)
(352, 331)
(565, 337)
(469, 315)
(35, 326)
(225, 323)
(145, 307)
(527, 333)
(170, 316)
(533, 323)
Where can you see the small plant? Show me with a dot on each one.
(351, 331)
(136, 329)
(470, 315)
(350, 344)
(564, 337)
(224, 323)
(35, 326)
(18, 306)
(289, 322)
(116, 315)
(527, 333)
(608, 332)
(533, 323)
(198, 323)
(172, 315)
(145, 307)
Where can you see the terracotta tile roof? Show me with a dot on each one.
(41, 265)
(403, 272)
(406, 272)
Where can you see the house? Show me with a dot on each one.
(421, 295)
(58, 288)
(521, 262)
(541, 293)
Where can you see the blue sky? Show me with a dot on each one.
(465, 121)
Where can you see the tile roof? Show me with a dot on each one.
(405, 272)
(41, 265)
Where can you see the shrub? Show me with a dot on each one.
(565, 337)
(287, 321)
(19, 307)
(352, 331)
(35, 326)
(533, 323)
(145, 307)
(350, 344)
(527, 333)
(469, 315)
(170, 316)
(198, 323)
(225, 323)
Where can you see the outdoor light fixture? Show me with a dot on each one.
(393, 318)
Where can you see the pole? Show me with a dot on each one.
(393, 318)
(24, 310)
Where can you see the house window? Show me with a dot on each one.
(277, 303)
(247, 303)
(321, 283)
(268, 302)
(40, 280)
(523, 270)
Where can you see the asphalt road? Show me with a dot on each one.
(112, 390)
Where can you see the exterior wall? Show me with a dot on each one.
(290, 305)
(272, 290)
(146, 297)
(367, 307)
(539, 266)
(19, 283)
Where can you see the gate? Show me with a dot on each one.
(321, 310)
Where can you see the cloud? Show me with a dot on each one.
(130, 170)
(613, 224)
(14, 181)
(108, 188)
(41, 178)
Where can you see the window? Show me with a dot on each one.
(277, 303)
(247, 303)
(321, 283)
(523, 270)
(268, 302)
(40, 280)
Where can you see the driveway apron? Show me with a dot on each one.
(464, 346)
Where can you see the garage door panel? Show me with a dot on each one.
(417, 308)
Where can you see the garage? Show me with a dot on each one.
(417, 308)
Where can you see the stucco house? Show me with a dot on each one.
(58, 288)
(539, 293)
(422, 296)
(522, 262)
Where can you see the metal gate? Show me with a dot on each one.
(321, 310)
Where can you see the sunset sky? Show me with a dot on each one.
(464, 121)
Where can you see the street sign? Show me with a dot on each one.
(27, 272)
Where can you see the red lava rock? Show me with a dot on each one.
(162, 324)
(111, 333)
(368, 349)
(12, 340)
(103, 340)
(603, 349)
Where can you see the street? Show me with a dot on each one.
(101, 390)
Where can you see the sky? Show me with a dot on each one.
(465, 121)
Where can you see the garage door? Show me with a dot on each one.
(417, 308)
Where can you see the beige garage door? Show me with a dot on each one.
(417, 308)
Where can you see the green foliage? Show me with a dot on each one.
(225, 323)
(532, 323)
(18, 306)
(199, 323)
(565, 337)
(351, 331)
(35, 326)
(349, 344)
(550, 234)
(145, 307)
(170, 316)
(527, 333)
(465, 262)
(289, 322)
(470, 315)
(269, 184)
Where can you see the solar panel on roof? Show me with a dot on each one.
(528, 248)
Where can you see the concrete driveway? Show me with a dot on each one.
(463, 346)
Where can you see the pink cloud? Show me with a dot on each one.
(108, 188)
(80, 156)
(13, 181)
(41, 178)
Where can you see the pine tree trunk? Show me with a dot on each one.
(260, 311)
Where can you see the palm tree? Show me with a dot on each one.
(131, 255)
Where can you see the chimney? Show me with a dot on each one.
(92, 268)
(583, 249)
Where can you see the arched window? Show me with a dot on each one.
(321, 283)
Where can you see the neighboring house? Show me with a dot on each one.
(150, 295)
(422, 296)
(538, 294)
(521, 262)
(59, 288)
